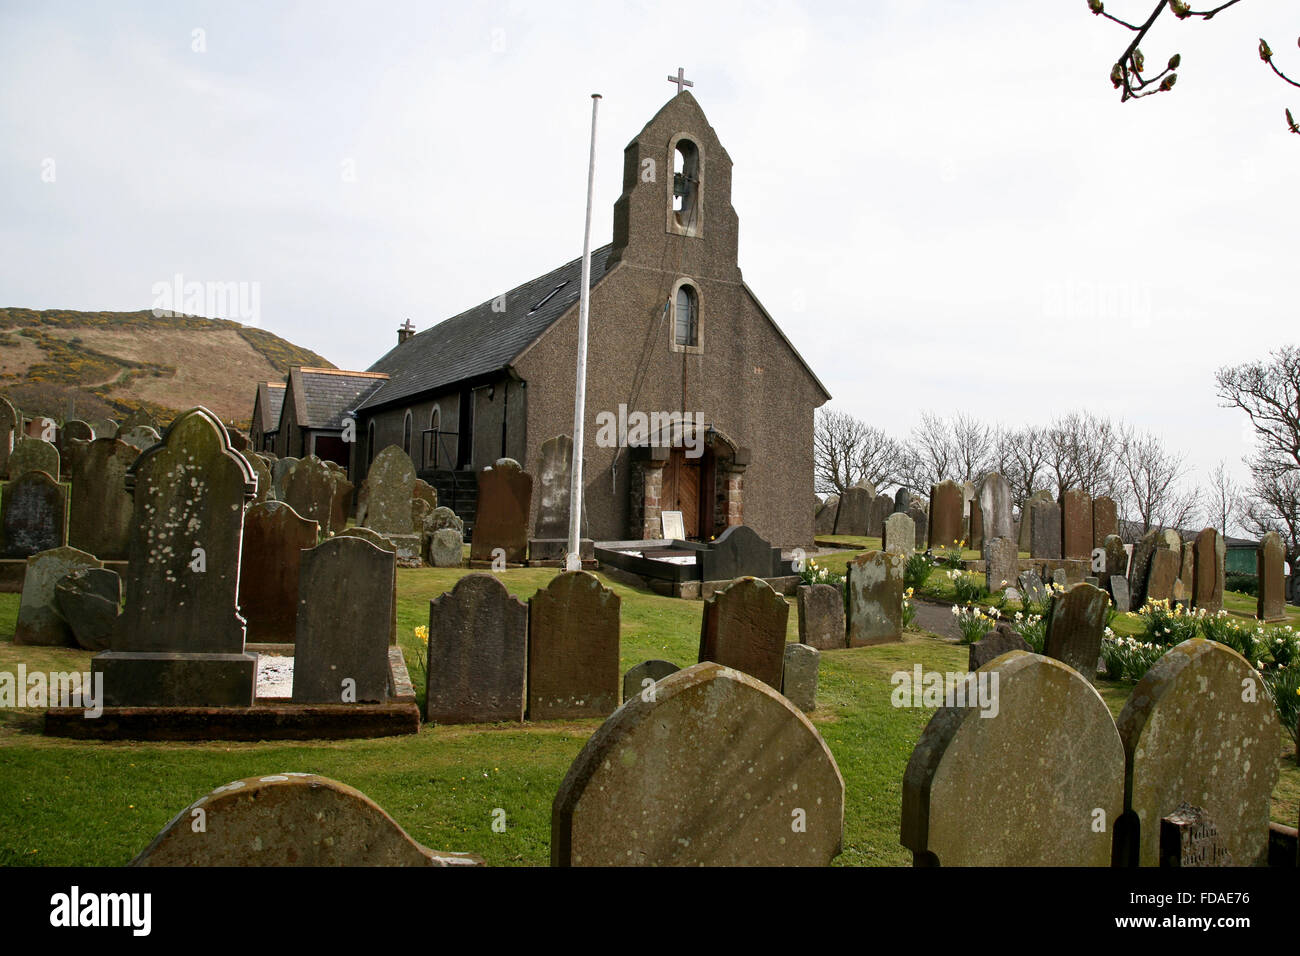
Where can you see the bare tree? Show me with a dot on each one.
(1224, 500)
(1273, 504)
(1151, 480)
(1081, 453)
(847, 450)
(1023, 456)
(960, 448)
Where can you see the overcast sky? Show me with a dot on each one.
(943, 204)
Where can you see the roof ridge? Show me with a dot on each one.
(341, 371)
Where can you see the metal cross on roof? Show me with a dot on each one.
(680, 79)
(407, 326)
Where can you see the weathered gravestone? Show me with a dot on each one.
(419, 511)
(340, 501)
(1200, 726)
(1207, 587)
(383, 544)
(640, 680)
(1032, 588)
(387, 490)
(89, 600)
(11, 427)
(263, 471)
(279, 473)
(505, 493)
(308, 488)
(1076, 524)
(882, 506)
(181, 639)
(854, 513)
(289, 819)
(478, 654)
(446, 548)
(902, 500)
(553, 480)
(1119, 593)
(900, 534)
(799, 676)
(714, 769)
(1044, 529)
(975, 526)
(33, 454)
(993, 645)
(921, 520)
(994, 496)
(875, 585)
(102, 506)
(39, 621)
(946, 507)
(1075, 625)
(1035, 776)
(1270, 566)
(1105, 520)
(33, 515)
(739, 552)
(1189, 838)
(1140, 567)
(141, 437)
(275, 537)
(74, 436)
(821, 616)
(1162, 574)
(1187, 573)
(866, 485)
(824, 522)
(1115, 557)
(1001, 564)
(345, 600)
(743, 627)
(573, 648)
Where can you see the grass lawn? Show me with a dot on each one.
(99, 803)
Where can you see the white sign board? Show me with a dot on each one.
(674, 528)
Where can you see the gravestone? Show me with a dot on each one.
(553, 480)
(102, 507)
(899, 534)
(33, 454)
(738, 552)
(824, 522)
(714, 769)
(1207, 586)
(141, 437)
(74, 436)
(1119, 593)
(946, 507)
(11, 428)
(573, 648)
(422, 490)
(505, 493)
(875, 585)
(1140, 566)
(799, 675)
(1001, 564)
(387, 490)
(743, 627)
(478, 654)
(275, 537)
(1032, 587)
(975, 534)
(921, 520)
(1076, 524)
(821, 616)
(882, 506)
(263, 471)
(443, 517)
(39, 621)
(1270, 566)
(1025, 534)
(1105, 520)
(1023, 788)
(1187, 573)
(1075, 624)
(1044, 529)
(446, 548)
(340, 501)
(419, 511)
(1163, 574)
(308, 488)
(345, 600)
(279, 472)
(902, 500)
(1116, 557)
(383, 544)
(993, 645)
(994, 496)
(1189, 838)
(1171, 541)
(289, 819)
(181, 639)
(854, 513)
(33, 515)
(634, 681)
(1200, 726)
(90, 601)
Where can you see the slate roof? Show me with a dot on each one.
(480, 341)
(329, 394)
(273, 393)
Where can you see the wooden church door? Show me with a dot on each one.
(681, 491)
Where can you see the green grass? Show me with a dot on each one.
(99, 803)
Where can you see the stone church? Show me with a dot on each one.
(674, 333)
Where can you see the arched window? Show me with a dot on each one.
(686, 317)
(435, 418)
(686, 183)
(406, 432)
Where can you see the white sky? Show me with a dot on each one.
(943, 204)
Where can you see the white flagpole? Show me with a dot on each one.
(574, 560)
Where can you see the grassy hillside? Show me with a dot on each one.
(87, 365)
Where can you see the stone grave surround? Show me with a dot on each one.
(714, 768)
(289, 819)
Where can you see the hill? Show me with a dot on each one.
(68, 364)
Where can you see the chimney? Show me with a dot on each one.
(405, 331)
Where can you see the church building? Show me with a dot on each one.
(675, 334)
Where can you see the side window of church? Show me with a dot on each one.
(688, 317)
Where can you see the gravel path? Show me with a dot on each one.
(937, 619)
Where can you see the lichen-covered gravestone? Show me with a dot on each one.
(713, 769)
(289, 819)
(102, 507)
(946, 507)
(11, 426)
(446, 548)
(1140, 567)
(854, 512)
(1105, 520)
(553, 488)
(275, 537)
(340, 501)
(1200, 727)
(388, 487)
(1001, 564)
(140, 437)
(1076, 524)
(1044, 529)
(994, 495)
(279, 473)
(33, 515)
(478, 654)
(308, 488)
(799, 677)
(505, 494)
(641, 678)
(1075, 625)
(181, 639)
(1038, 782)
(1207, 588)
(875, 585)
(344, 602)
(34, 454)
(899, 534)
(383, 544)
(743, 627)
(1270, 566)
(821, 616)
(263, 471)
(39, 621)
(90, 600)
(573, 648)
